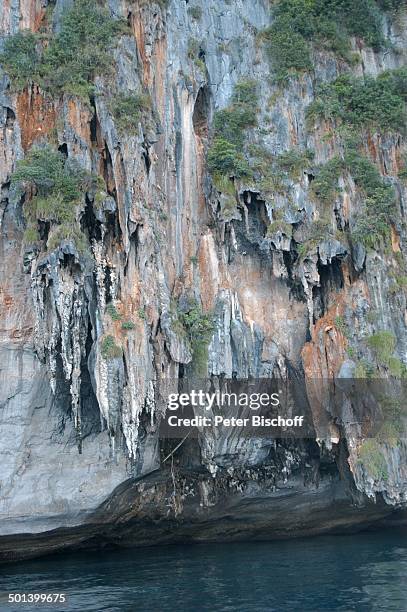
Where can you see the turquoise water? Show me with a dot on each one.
(365, 572)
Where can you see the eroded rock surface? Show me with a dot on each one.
(79, 418)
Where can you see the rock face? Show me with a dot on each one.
(89, 333)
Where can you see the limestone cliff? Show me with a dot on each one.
(189, 173)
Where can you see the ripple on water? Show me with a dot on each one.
(362, 573)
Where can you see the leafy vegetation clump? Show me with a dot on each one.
(73, 56)
(57, 184)
(128, 325)
(112, 312)
(364, 369)
(195, 53)
(402, 174)
(382, 344)
(391, 5)
(109, 349)
(325, 184)
(273, 172)
(197, 324)
(318, 231)
(129, 109)
(56, 187)
(31, 235)
(372, 225)
(20, 59)
(195, 12)
(294, 161)
(327, 23)
(67, 231)
(390, 433)
(231, 122)
(364, 102)
(280, 226)
(161, 3)
(372, 458)
(81, 49)
(225, 157)
(199, 328)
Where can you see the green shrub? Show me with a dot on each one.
(112, 312)
(81, 49)
(280, 226)
(325, 184)
(382, 344)
(351, 352)
(402, 174)
(195, 12)
(129, 109)
(326, 23)
(294, 161)
(390, 433)
(109, 349)
(31, 235)
(194, 49)
(51, 208)
(20, 58)
(224, 159)
(341, 325)
(224, 185)
(364, 369)
(58, 184)
(128, 325)
(364, 102)
(393, 408)
(231, 122)
(72, 58)
(401, 281)
(288, 51)
(270, 177)
(199, 328)
(68, 231)
(198, 325)
(396, 367)
(372, 225)
(318, 231)
(391, 5)
(58, 187)
(141, 313)
(372, 458)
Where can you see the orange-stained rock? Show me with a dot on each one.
(137, 26)
(372, 146)
(323, 355)
(36, 116)
(79, 118)
(32, 13)
(395, 240)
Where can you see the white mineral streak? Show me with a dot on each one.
(52, 362)
(131, 410)
(64, 305)
(113, 284)
(60, 327)
(100, 264)
(77, 351)
(102, 387)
